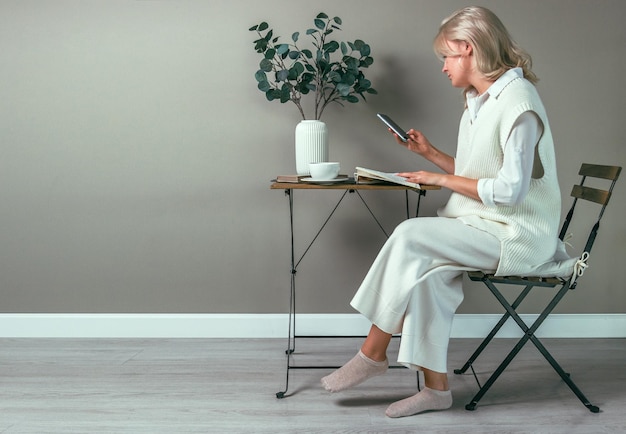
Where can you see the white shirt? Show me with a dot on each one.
(513, 180)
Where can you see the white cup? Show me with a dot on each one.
(324, 171)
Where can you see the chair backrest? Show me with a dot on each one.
(591, 194)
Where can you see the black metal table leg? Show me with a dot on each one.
(291, 338)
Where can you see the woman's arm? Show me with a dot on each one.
(459, 184)
(419, 144)
(510, 185)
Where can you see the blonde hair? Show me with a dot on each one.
(495, 50)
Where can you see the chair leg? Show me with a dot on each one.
(472, 404)
(529, 334)
(565, 376)
(493, 332)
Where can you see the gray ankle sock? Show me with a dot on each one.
(356, 371)
(427, 399)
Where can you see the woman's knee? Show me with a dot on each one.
(414, 227)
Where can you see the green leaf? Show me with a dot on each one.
(262, 26)
(253, 28)
(351, 63)
(301, 87)
(282, 49)
(337, 20)
(319, 24)
(299, 67)
(344, 49)
(367, 62)
(358, 44)
(365, 50)
(282, 75)
(311, 31)
(343, 89)
(334, 76)
(322, 15)
(260, 45)
(295, 71)
(323, 66)
(260, 76)
(269, 35)
(295, 36)
(264, 86)
(331, 46)
(266, 65)
(348, 79)
(271, 94)
(352, 99)
(307, 53)
(269, 54)
(285, 94)
(293, 55)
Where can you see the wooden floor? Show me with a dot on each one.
(229, 386)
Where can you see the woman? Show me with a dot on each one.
(502, 215)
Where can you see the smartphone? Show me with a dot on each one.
(394, 127)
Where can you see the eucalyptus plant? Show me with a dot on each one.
(332, 71)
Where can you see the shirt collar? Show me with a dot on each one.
(475, 101)
(504, 80)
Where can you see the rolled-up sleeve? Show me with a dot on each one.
(513, 180)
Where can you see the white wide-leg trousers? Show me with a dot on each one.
(415, 284)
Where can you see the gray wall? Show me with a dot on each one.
(136, 151)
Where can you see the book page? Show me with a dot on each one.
(371, 174)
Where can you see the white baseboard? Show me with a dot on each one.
(276, 325)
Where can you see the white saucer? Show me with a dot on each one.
(326, 181)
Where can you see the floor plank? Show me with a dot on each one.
(226, 385)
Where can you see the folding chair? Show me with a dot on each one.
(575, 268)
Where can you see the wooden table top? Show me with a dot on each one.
(350, 184)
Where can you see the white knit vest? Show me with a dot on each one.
(528, 231)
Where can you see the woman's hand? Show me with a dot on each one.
(423, 177)
(417, 142)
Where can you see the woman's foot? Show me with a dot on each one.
(427, 399)
(356, 371)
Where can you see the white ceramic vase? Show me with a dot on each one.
(311, 145)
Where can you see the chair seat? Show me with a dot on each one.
(479, 276)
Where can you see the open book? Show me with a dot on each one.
(363, 175)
